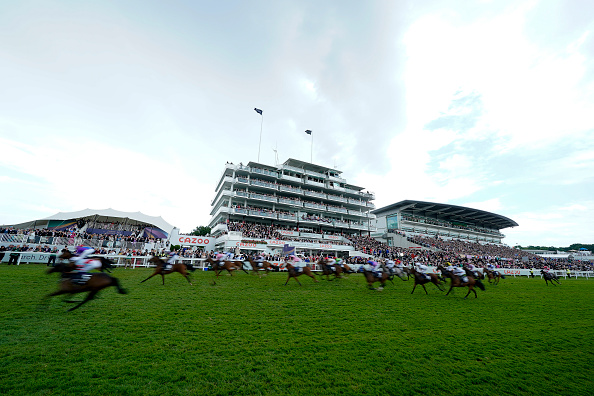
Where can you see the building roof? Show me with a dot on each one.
(308, 165)
(448, 212)
(108, 215)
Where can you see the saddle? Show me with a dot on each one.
(80, 278)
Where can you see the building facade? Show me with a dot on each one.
(299, 198)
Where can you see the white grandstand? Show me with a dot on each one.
(301, 199)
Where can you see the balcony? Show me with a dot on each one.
(314, 194)
(292, 168)
(265, 172)
(315, 183)
(356, 212)
(370, 205)
(337, 188)
(337, 198)
(242, 180)
(263, 197)
(290, 189)
(264, 184)
(350, 191)
(291, 178)
(355, 201)
(242, 168)
(242, 194)
(315, 174)
(314, 206)
(287, 217)
(337, 210)
(240, 211)
(292, 202)
(336, 179)
(262, 213)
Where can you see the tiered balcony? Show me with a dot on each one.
(290, 202)
(264, 184)
(314, 194)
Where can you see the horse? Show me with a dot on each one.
(230, 266)
(456, 281)
(371, 277)
(493, 276)
(327, 270)
(550, 277)
(294, 273)
(97, 282)
(265, 265)
(420, 279)
(106, 263)
(177, 267)
(399, 272)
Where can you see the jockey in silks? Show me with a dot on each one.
(330, 262)
(84, 265)
(460, 273)
(473, 270)
(294, 261)
(422, 269)
(390, 264)
(259, 259)
(375, 268)
(172, 257)
(492, 268)
(220, 257)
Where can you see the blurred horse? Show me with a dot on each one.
(265, 265)
(294, 272)
(456, 281)
(550, 277)
(162, 270)
(328, 270)
(96, 283)
(230, 266)
(420, 279)
(376, 276)
(493, 276)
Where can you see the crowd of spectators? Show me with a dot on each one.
(428, 220)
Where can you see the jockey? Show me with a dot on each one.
(399, 265)
(294, 261)
(472, 269)
(259, 258)
(375, 267)
(390, 265)
(329, 262)
(460, 273)
(422, 269)
(84, 265)
(171, 258)
(221, 257)
(229, 256)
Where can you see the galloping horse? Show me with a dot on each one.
(493, 276)
(327, 270)
(294, 273)
(549, 277)
(372, 277)
(106, 263)
(96, 283)
(420, 279)
(177, 267)
(256, 266)
(401, 273)
(230, 266)
(457, 282)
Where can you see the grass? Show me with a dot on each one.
(255, 336)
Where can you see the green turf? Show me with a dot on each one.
(255, 336)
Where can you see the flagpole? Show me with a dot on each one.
(260, 144)
(311, 150)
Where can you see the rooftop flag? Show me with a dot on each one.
(308, 132)
(258, 111)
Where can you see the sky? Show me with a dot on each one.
(138, 105)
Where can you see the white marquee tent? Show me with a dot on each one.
(103, 215)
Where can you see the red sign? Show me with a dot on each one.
(191, 240)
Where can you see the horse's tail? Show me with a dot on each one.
(480, 284)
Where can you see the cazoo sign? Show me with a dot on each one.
(190, 240)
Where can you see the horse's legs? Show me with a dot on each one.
(424, 289)
(89, 297)
(155, 273)
(414, 287)
(289, 277)
(469, 290)
(163, 277)
(451, 287)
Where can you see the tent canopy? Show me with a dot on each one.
(106, 215)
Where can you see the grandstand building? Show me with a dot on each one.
(301, 200)
(443, 220)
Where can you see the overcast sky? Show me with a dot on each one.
(137, 105)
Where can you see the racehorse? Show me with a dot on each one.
(327, 270)
(420, 279)
(372, 277)
(493, 276)
(401, 273)
(177, 267)
(97, 282)
(457, 282)
(230, 266)
(294, 273)
(550, 277)
(265, 265)
(106, 263)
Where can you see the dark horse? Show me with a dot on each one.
(294, 273)
(106, 263)
(256, 266)
(456, 281)
(420, 279)
(372, 276)
(162, 270)
(549, 277)
(230, 266)
(493, 276)
(97, 282)
(328, 270)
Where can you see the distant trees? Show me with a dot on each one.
(573, 246)
(201, 231)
